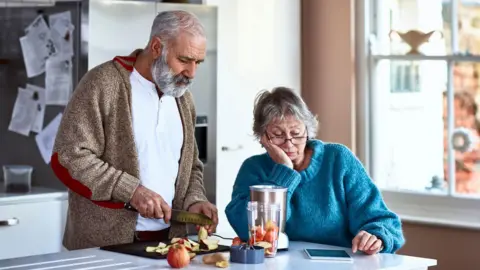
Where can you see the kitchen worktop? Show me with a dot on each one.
(35, 194)
(294, 258)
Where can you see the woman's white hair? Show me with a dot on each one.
(278, 104)
(168, 25)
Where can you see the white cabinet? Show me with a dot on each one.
(31, 227)
(258, 48)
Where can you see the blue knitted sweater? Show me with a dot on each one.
(328, 203)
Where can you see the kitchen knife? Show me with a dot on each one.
(182, 216)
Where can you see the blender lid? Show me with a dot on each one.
(269, 188)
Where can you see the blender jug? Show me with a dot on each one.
(263, 224)
(271, 194)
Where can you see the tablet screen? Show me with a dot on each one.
(327, 253)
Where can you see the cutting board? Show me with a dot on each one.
(138, 249)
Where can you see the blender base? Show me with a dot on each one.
(247, 255)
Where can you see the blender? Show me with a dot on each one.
(273, 195)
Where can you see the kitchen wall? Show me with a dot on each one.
(17, 149)
(328, 87)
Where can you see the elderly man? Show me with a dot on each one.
(127, 136)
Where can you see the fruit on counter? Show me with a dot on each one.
(202, 233)
(208, 244)
(217, 259)
(222, 264)
(163, 248)
(236, 241)
(178, 256)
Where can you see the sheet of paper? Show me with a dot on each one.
(46, 138)
(62, 28)
(58, 80)
(38, 94)
(33, 63)
(24, 113)
(39, 42)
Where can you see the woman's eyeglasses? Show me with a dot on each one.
(282, 139)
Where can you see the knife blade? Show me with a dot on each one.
(182, 216)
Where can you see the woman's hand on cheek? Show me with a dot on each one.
(276, 153)
(367, 243)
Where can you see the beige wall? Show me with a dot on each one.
(328, 67)
(328, 88)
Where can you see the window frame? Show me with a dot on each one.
(453, 210)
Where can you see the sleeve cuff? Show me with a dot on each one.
(282, 175)
(192, 199)
(126, 186)
(380, 234)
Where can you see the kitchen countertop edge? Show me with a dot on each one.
(36, 194)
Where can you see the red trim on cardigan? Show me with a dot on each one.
(76, 186)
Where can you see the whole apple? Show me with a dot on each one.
(178, 256)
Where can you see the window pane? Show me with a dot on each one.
(467, 128)
(408, 142)
(396, 18)
(468, 27)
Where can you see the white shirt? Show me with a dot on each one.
(158, 132)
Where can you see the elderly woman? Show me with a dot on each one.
(330, 198)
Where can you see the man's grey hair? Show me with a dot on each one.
(279, 103)
(168, 25)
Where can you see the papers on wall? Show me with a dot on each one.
(24, 112)
(46, 138)
(33, 64)
(38, 94)
(46, 48)
(37, 46)
(62, 28)
(58, 80)
(28, 110)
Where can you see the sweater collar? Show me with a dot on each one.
(317, 147)
(127, 62)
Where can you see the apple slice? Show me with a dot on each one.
(192, 255)
(163, 251)
(222, 264)
(151, 249)
(208, 244)
(193, 243)
(177, 240)
(263, 244)
(187, 244)
(162, 245)
(202, 233)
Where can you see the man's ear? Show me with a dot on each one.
(156, 47)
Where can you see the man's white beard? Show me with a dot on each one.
(166, 80)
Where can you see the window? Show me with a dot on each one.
(421, 62)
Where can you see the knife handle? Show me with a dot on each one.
(128, 206)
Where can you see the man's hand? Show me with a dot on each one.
(367, 243)
(150, 205)
(207, 209)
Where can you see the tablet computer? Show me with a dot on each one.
(328, 255)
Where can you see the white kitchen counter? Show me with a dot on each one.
(91, 259)
(36, 194)
(32, 223)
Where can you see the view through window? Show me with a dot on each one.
(425, 95)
